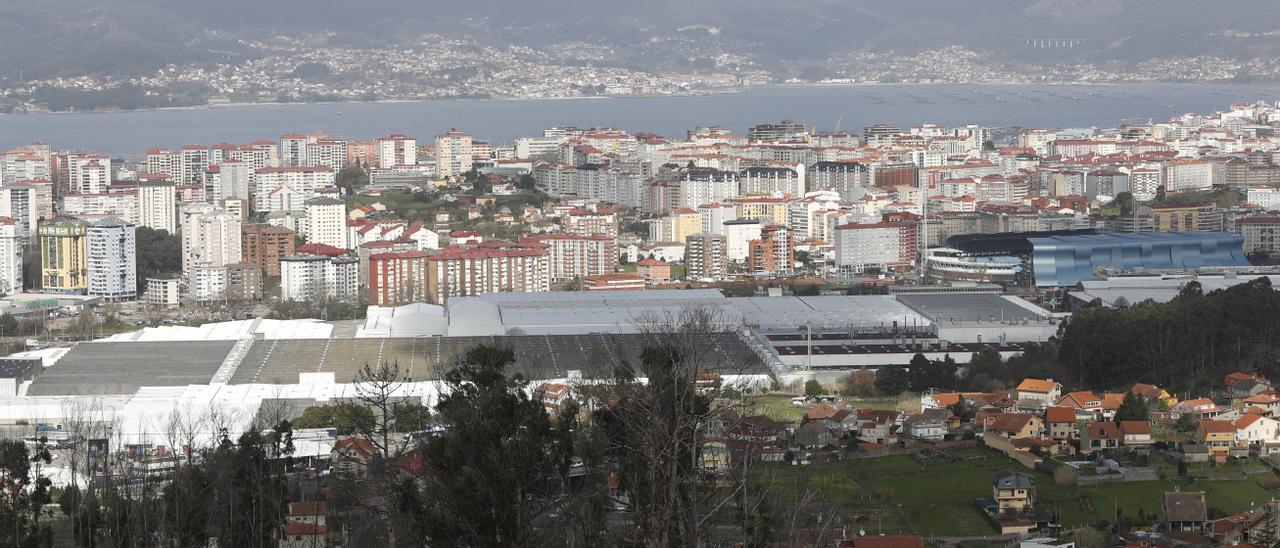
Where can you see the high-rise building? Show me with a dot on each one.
(307, 277)
(330, 153)
(244, 282)
(705, 256)
(112, 259)
(738, 235)
(395, 150)
(576, 256)
(491, 267)
(91, 176)
(773, 253)
(10, 257)
(21, 202)
(210, 237)
(786, 129)
(195, 160)
(265, 245)
(453, 153)
(299, 183)
(879, 246)
(398, 277)
(62, 256)
(164, 162)
(326, 222)
(231, 179)
(157, 205)
(293, 150)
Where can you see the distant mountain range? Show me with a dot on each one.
(72, 37)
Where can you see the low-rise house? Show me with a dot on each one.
(1153, 393)
(351, 456)
(1217, 436)
(1136, 433)
(1013, 490)
(313, 512)
(757, 430)
(1015, 426)
(1257, 430)
(1267, 402)
(1236, 529)
(939, 400)
(814, 435)
(819, 412)
(1090, 406)
(1087, 405)
(844, 422)
(1100, 436)
(553, 396)
(1185, 512)
(879, 426)
(1041, 392)
(302, 535)
(1231, 379)
(1200, 408)
(924, 427)
(1061, 424)
(1247, 388)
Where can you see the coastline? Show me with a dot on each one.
(693, 94)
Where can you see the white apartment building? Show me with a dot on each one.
(738, 235)
(112, 259)
(395, 150)
(301, 181)
(329, 153)
(123, 205)
(89, 173)
(577, 256)
(326, 222)
(715, 215)
(157, 205)
(1265, 197)
(210, 237)
(1145, 182)
(453, 153)
(877, 245)
(163, 292)
(162, 161)
(207, 283)
(21, 203)
(705, 187)
(195, 160)
(460, 271)
(1180, 175)
(293, 150)
(230, 179)
(25, 164)
(314, 277)
(10, 257)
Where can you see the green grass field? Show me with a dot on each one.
(897, 494)
(779, 406)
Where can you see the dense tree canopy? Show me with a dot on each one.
(1191, 340)
(159, 252)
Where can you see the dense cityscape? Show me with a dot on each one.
(896, 336)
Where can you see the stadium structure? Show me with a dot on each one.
(1065, 258)
(137, 381)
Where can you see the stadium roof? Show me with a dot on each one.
(1063, 261)
(230, 331)
(960, 308)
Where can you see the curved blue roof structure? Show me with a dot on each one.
(1063, 261)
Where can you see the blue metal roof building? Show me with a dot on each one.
(1063, 261)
